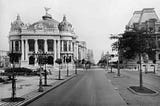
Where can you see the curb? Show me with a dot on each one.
(57, 84)
(36, 96)
(142, 94)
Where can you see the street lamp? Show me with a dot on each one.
(45, 60)
(39, 57)
(13, 56)
(75, 62)
(68, 60)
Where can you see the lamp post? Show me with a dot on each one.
(67, 60)
(75, 62)
(45, 71)
(13, 56)
(111, 56)
(39, 60)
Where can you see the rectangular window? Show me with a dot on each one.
(41, 45)
(61, 45)
(50, 44)
(17, 45)
(31, 43)
(69, 45)
(65, 45)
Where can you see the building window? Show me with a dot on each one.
(61, 45)
(158, 43)
(50, 44)
(41, 45)
(17, 45)
(31, 60)
(64, 59)
(50, 60)
(158, 29)
(65, 45)
(69, 46)
(31, 43)
(159, 56)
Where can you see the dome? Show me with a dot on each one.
(65, 25)
(46, 23)
(17, 24)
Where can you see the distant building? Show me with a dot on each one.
(147, 20)
(57, 39)
(90, 56)
(4, 59)
(82, 50)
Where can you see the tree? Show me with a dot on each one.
(133, 43)
(59, 61)
(75, 62)
(117, 47)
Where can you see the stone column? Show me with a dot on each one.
(26, 49)
(10, 45)
(22, 50)
(45, 45)
(71, 46)
(20, 46)
(36, 45)
(67, 45)
(58, 47)
(55, 50)
(62, 46)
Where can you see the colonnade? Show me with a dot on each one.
(58, 47)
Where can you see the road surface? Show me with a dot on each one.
(90, 88)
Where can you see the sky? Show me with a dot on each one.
(93, 20)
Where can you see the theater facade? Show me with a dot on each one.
(56, 39)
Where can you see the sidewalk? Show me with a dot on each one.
(122, 83)
(29, 85)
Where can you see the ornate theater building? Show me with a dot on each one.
(56, 39)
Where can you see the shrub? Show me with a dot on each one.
(18, 71)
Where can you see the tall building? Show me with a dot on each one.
(57, 39)
(146, 20)
(90, 56)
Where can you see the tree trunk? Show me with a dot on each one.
(140, 72)
(118, 74)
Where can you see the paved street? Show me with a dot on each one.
(90, 88)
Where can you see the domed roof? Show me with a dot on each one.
(65, 25)
(46, 23)
(17, 24)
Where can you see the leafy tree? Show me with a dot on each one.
(133, 43)
(59, 61)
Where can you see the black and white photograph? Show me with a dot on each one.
(79, 52)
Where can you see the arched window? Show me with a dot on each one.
(50, 60)
(31, 60)
(64, 59)
(159, 56)
(70, 58)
